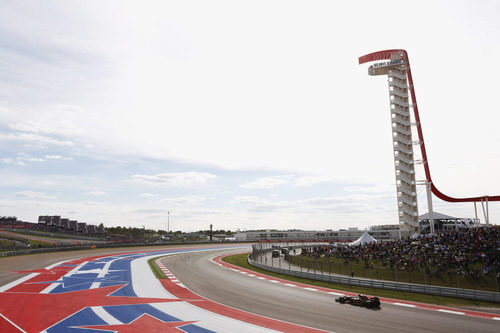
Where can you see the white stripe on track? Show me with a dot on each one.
(18, 281)
(57, 264)
(209, 320)
(144, 283)
(102, 273)
(52, 286)
(452, 312)
(19, 328)
(334, 293)
(105, 315)
(404, 304)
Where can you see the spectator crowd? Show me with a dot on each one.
(473, 252)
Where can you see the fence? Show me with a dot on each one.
(420, 273)
(288, 269)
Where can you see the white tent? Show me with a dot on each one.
(364, 239)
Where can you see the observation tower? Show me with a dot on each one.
(395, 69)
(396, 65)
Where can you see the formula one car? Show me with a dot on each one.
(360, 300)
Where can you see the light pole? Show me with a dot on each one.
(168, 222)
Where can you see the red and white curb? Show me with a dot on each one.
(168, 274)
(217, 260)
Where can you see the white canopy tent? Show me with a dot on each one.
(364, 239)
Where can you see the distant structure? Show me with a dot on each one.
(396, 65)
(54, 224)
(57, 224)
(386, 232)
(383, 233)
(444, 223)
(404, 166)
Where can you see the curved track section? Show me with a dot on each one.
(118, 293)
(310, 306)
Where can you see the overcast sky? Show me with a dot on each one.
(240, 114)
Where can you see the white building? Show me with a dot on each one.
(381, 233)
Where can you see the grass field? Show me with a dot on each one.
(241, 260)
(381, 272)
(6, 245)
(156, 270)
(37, 243)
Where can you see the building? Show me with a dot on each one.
(381, 233)
(57, 224)
(54, 224)
(443, 223)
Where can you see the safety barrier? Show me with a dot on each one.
(398, 286)
(99, 246)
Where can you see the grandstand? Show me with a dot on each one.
(54, 224)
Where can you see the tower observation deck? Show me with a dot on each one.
(396, 65)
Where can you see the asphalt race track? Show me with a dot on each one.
(114, 290)
(311, 307)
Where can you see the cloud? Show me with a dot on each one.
(378, 188)
(147, 195)
(9, 160)
(33, 159)
(267, 182)
(258, 205)
(176, 179)
(309, 180)
(185, 200)
(57, 119)
(324, 201)
(23, 157)
(96, 193)
(57, 157)
(33, 195)
(31, 139)
(150, 211)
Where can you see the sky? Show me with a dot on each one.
(241, 114)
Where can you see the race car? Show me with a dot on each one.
(360, 300)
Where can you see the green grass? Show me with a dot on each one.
(381, 272)
(38, 244)
(53, 235)
(241, 261)
(156, 270)
(6, 245)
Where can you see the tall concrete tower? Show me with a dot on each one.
(395, 69)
